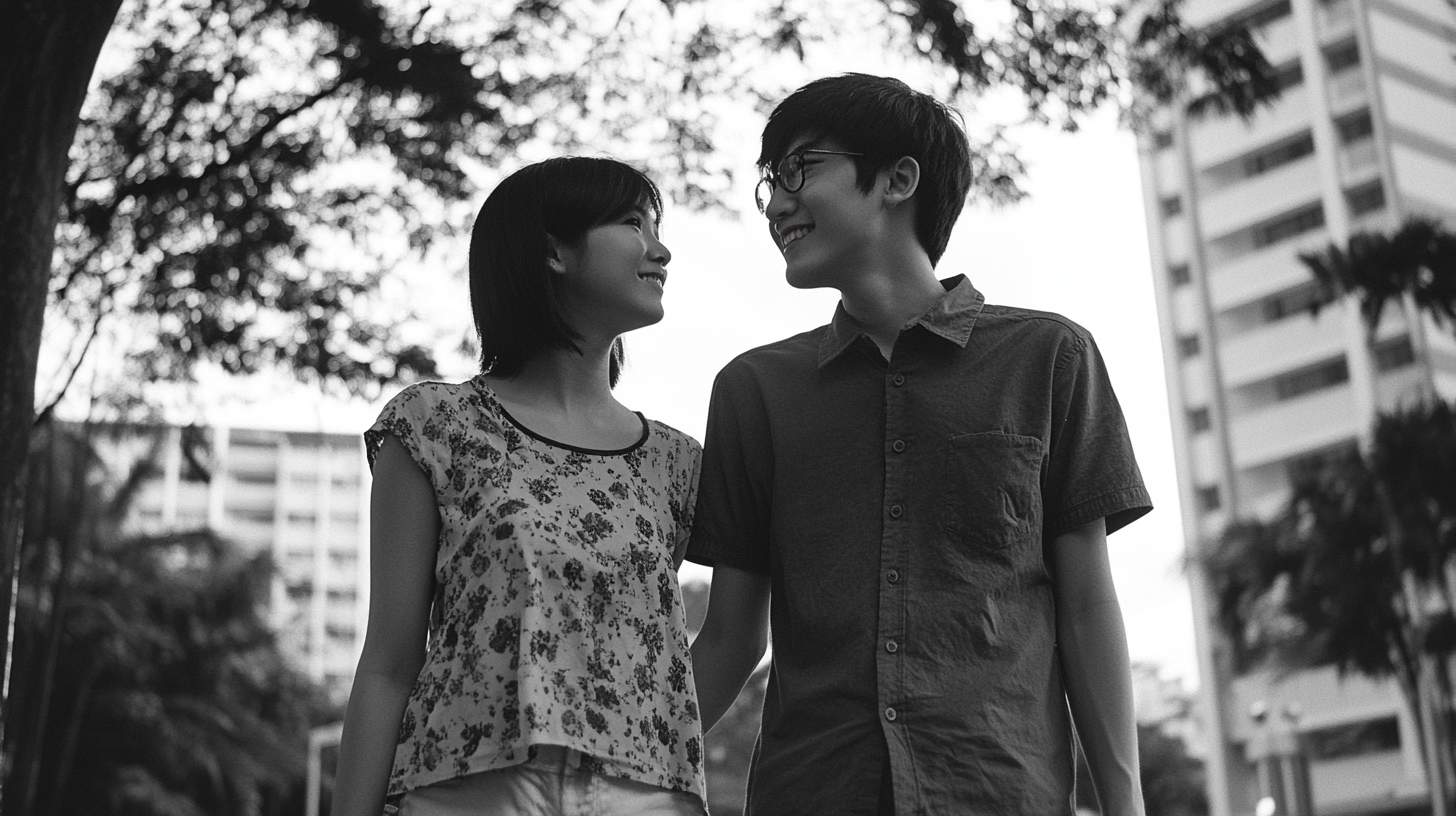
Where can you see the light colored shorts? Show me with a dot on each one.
(551, 783)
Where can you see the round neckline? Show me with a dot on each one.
(480, 383)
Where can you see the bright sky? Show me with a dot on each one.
(1077, 246)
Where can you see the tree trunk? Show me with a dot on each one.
(47, 55)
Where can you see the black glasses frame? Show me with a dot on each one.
(789, 174)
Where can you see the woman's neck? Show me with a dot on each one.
(561, 381)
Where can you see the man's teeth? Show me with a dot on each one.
(795, 234)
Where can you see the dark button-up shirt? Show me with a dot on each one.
(902, 509)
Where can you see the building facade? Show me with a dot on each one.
(303, 497)
(1362, 137)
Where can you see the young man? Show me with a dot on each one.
(917, 496)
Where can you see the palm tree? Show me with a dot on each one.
(153, 682)
(1356, 571)
(1418, 261)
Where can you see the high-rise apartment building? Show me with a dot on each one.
(1362, 137)
(301, 496)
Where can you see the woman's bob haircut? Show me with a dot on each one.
(513, 294)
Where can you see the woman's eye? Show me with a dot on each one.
(633, 220)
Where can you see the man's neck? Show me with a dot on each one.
(885, 300)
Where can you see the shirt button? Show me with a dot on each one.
(893, 576)
(898, 446)
(896, 511)
(892, 647)
(898, 379)
(891, 714)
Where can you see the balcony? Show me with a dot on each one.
(1260, 273)
(1278, 40)
(1401, 388)
(1365, 784)
(1216, 139)
(1261, 197)
(1326, 698)
(1284, 429)
(1199, 13)
(1346, 91)
(1294, 342)
(1334, 20)
(1359, 163)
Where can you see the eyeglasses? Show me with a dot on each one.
(789, 175)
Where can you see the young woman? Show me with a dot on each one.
(532, 526)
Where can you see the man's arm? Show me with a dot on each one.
(732, 640)
(1095, 666)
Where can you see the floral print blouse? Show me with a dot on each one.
(558, 616)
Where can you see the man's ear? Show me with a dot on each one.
(554, 260)
(901, 180)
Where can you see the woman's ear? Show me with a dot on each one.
(554, 258)
(901, 180)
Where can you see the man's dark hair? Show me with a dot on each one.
(514, 296)
(884, 119)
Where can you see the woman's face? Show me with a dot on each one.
(614, 275)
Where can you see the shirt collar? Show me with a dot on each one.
(951, 318)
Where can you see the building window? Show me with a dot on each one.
(1306, 465)
(1366, 199)
(1181, 274)
(1354, 739)
(1162, 139)
(339, 631)
(1288, 226)
(1312, 379)
(1355, 127)
(1281, 154)
(302, 517)
(1343, 56)
(1301, 300)
(1268, 14)
(1170, 206)
(251, 514)
(1289, 75)
(1393, 354)
(1188, 346)
(343, 595)
(1199, 419)
(1209, 499)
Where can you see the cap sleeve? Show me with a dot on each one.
(405, 418)
(687, 495)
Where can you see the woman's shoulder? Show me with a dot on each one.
(673, 440)
(428, 397)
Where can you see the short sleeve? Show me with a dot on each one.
(687, 498)
(404, 418)
(1091, 471)
(731, 523)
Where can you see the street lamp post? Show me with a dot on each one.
(1278, 755)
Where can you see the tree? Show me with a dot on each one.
(1356, 571)
(149, 681)
(1418, 261)
(1173, 782)
(209, 187)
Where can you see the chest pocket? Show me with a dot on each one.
(992, 492)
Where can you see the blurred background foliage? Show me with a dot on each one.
(147, 678)
(246, 173)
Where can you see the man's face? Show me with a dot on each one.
(827, 228)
